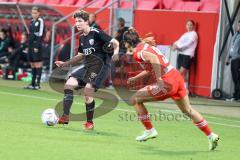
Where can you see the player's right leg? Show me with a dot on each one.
(69, 87)
(32, 84)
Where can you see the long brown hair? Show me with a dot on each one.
(132, 38)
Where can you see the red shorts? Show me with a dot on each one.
(173, 87)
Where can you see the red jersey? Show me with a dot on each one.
(173, 82)
(164, 63)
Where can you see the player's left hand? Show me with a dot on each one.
(115, 57)
(174, 47)
(35, 50)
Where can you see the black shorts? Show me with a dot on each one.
(184, 61)
(95, 75)
(35, 56)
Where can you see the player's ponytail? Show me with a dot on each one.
(132, 38)
(149, 39)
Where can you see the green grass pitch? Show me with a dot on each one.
(23, 136)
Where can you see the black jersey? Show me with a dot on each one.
(92, 46)
(36, 30)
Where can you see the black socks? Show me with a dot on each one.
(67, 101)
(34, 75)
(90, 111)
(38, 75)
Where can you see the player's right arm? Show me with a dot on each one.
(138, 76)
(72, 61)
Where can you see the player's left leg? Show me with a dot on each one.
(38, 66)
(184, 72)
(198, 120)
(137, 100)
(90, 105)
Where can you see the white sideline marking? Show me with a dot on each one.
(125, 110)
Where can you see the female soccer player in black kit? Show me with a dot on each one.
(36, 31)
(96, 67)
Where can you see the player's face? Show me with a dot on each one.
(238, 27)
(129, 48)
(81, 24)
(189, 26)
(23, 38)
(2, 35)
(35, 14)
(91, 18)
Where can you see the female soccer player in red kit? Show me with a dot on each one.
(169, 84)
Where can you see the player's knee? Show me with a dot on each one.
(88, 99)
(69, 86)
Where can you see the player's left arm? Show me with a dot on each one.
(153, 59)
(115, 45)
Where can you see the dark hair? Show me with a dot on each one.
(239, 21)
(122, 21)
(192, 21)
(131, 36)
(36, 8)
(4, 31)
(81, 14)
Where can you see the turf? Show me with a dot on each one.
(23, 136)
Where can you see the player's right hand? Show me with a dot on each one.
(227, 63)
(131, 80)
(60, 63)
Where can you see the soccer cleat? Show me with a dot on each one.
(148, 134)
(29, 87)
(213, 141)
(88, 126)
(64, 119)
(37, 87)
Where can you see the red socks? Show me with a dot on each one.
(145, 119)
(203, 126)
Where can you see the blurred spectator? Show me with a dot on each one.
(234, 59)
(11, 39)
(4, 46)
(186, 46)
(92, 21)
(18, 59)
(117, 67)
(119, 35)
(64, 53)
(46, 49)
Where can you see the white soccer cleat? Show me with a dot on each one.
(148, 134)
(213, 141)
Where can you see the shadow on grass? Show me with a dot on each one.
(159, 151)
(93, 132)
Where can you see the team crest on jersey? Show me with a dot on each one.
(36, 24)
(91, 41)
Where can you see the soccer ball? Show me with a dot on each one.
(49, 117)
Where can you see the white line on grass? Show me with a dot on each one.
(125, 110)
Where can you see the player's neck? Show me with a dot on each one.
(86, 31)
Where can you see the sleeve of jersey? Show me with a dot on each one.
(80, 50)
(40, 31)
(104, 37)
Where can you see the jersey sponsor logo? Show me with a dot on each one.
(91, 41)
(92, 76)
(36, 24)
(89, 51)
